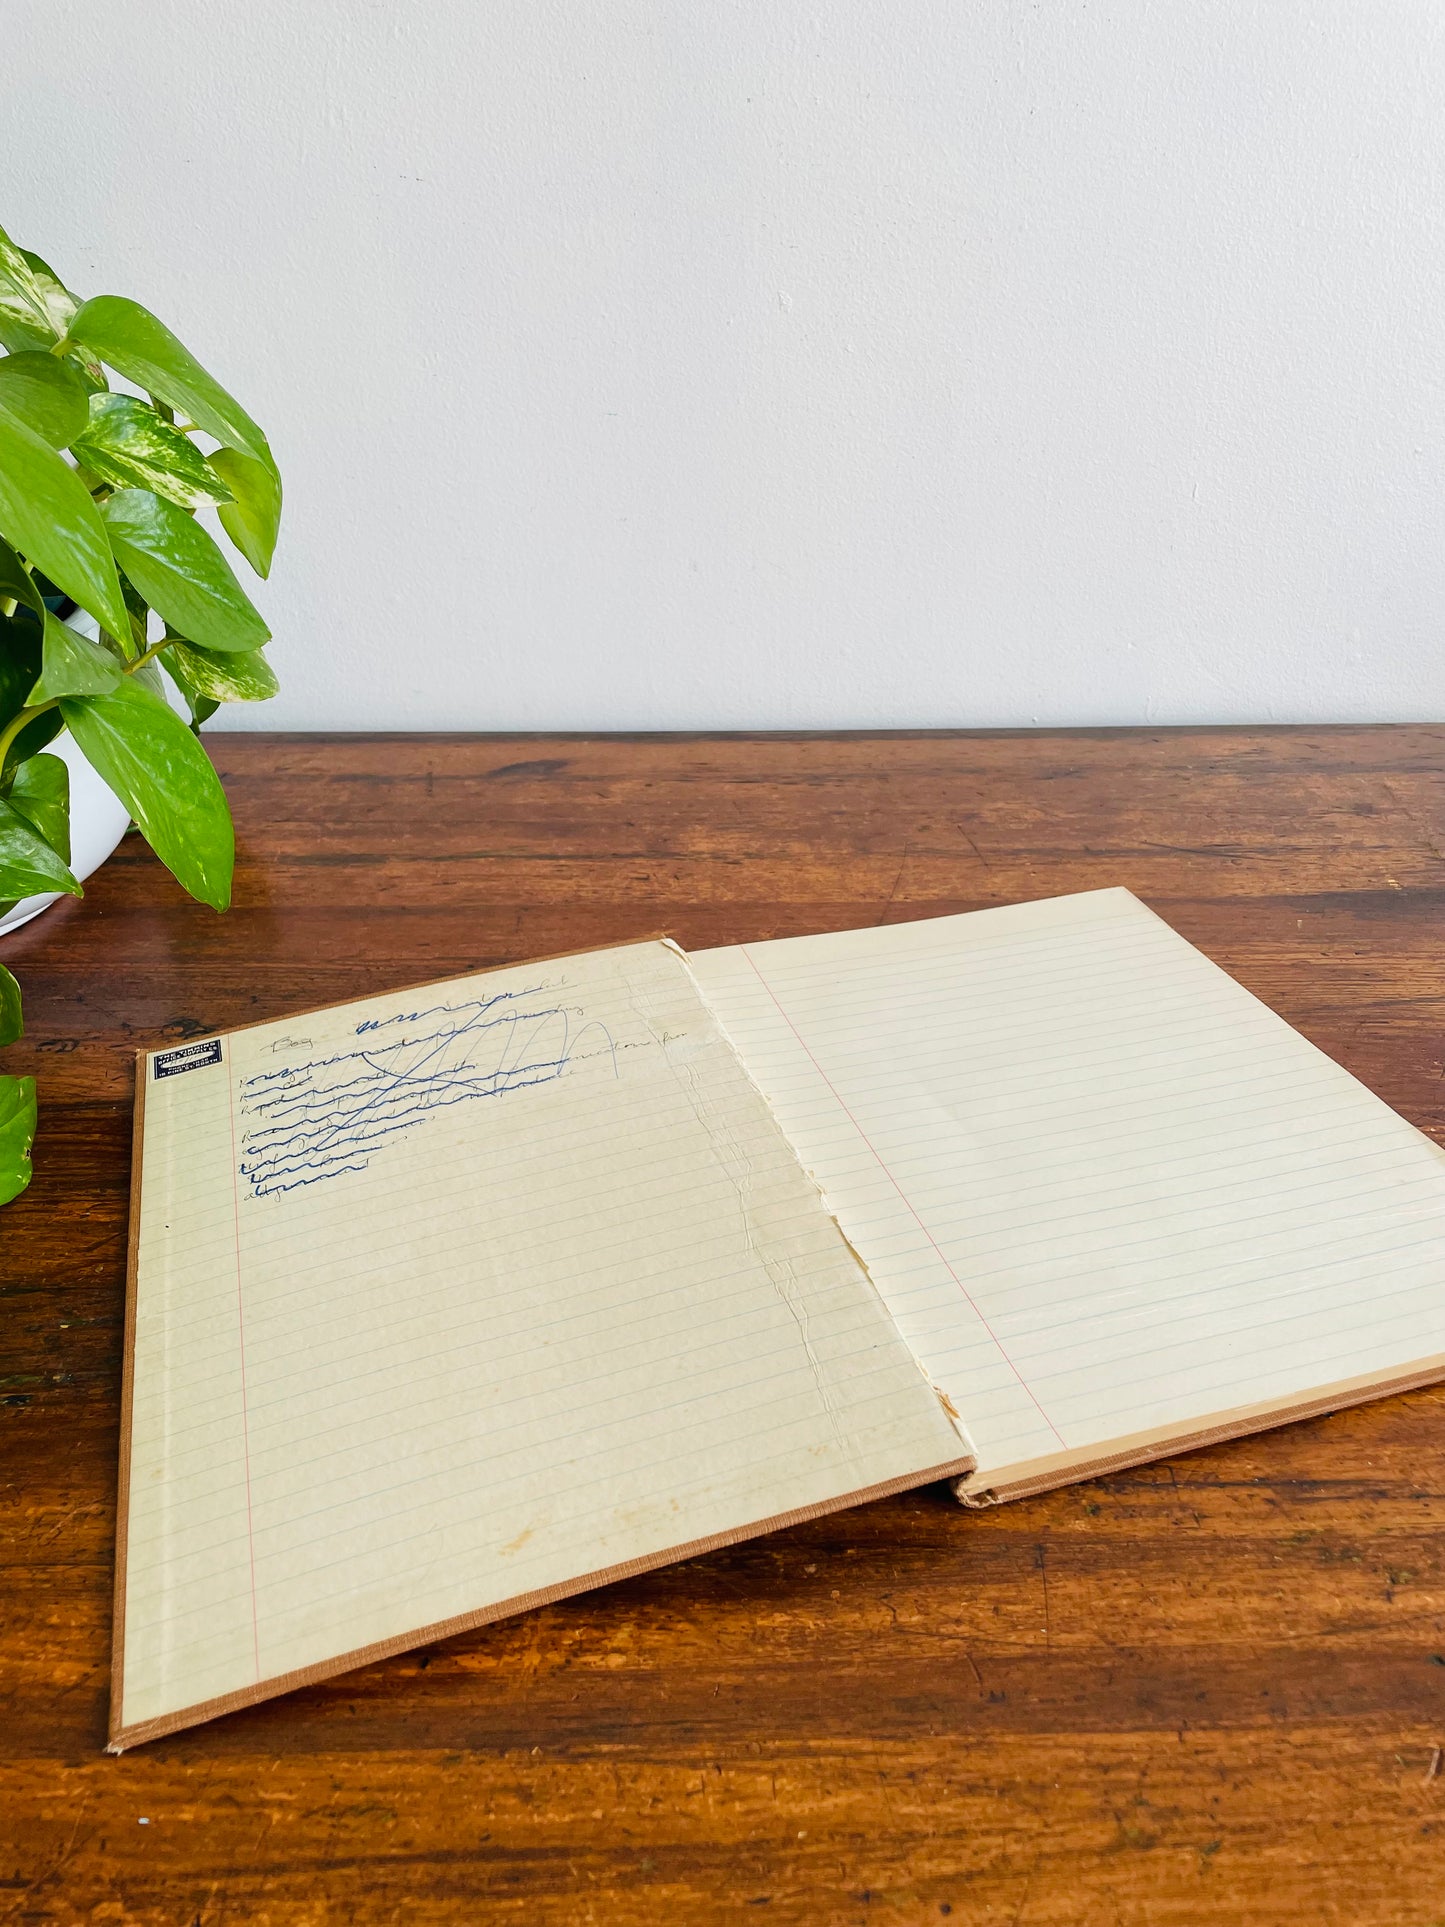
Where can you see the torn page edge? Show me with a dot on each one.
(949, 1409)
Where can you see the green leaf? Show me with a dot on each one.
(33, 738)
(16, 581)
(41, 794)
(20, 655)
(12, 1022)
(17, 1134)
(228, 678)
(201, 707)
(179, 570)
(28, 865)
(25, 296)
(149, 673)
(131, 340)
(253, 518)
(18, 334)
(127, 444)
(47, 514)
(71, 666)
(139, 613)
(159, 770)
(29, 290)
(60, 304)
(20, 651)
(46, 394)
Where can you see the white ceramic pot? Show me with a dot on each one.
(98, 818)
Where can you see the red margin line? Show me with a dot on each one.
(968, 1296)
(241, 1333)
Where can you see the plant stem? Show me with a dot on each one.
(18, 722)
(154, 650)
(26, 716)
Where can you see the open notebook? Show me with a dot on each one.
(455, 1301)
(1114, 1203)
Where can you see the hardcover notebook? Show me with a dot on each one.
(451, 1302)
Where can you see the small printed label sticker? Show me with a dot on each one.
(188, 1057)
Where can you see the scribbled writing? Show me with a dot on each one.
(306, 1123)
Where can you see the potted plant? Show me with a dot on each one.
(106, 579)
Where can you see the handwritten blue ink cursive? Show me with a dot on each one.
(310, 1122)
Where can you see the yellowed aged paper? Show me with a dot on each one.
(1110, 1198)
(462, 1297)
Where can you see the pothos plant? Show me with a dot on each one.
(99, 489)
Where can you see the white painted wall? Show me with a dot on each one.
(749, 363)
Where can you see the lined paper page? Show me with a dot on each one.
(1103, 1189)
(449, 1298)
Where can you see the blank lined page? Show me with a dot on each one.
(1104, 1190)
(449, 1301)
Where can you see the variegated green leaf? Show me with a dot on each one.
(71, 666)
(234, 676)
(28, 864)
(41, 794)
(181, 573)
(47, 395)
(47, 514)
(12, 1019)
(17, 1134)
(59, 303)
(61, 306)
(142, 749)
(18, 332)
(128, 338)
(253, 518)
(201, 707)
(24, 297)
(127, 444)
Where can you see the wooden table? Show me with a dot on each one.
(1208, 1691)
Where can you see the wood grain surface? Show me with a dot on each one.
(1210, 1691)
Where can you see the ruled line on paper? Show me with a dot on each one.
(663, 1463)
(241, 1362)
(907, 1205)
(276, 1308)
(577, 1382)
(312, 1122)
(1228, 1092)
(902, 1165)
(491, 1486)
(1105, 1140)
(442, 1175)
(597, 1315)
(479, 1335)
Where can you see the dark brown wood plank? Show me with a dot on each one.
(1206, 1690)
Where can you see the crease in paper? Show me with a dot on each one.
(1104, 1191)
(554, 1324)
(946, 1404)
